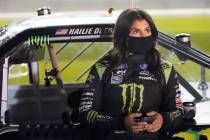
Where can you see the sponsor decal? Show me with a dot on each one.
(61, 32)
(146, 75)
(143, 66)
(104, 118)
(81, 108)
(147, 78)
(82, 33)
(121, 72)
(87, 98)
(117, 75)
(88, 30)
(116, 78)
(91, 30)
(126, 88)
(165, 65)
(86, 103)
(88, 93)
(38, 40)
(89, 90)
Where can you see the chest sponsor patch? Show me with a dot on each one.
(143, 66)
(116, 78)
(146, 75)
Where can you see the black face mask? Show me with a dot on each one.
(139, 45)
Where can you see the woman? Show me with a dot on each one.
(135, 83)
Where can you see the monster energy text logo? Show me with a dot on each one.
(132, 87)
(39, 40)
(193, 135)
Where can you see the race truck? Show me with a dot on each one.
(45, 61)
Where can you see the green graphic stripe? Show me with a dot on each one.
(94, 117)
(100, 69)
(141, 97)
(90, 114)
(39, 40)
(132, 92)
(124, 88)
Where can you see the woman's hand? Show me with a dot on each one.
(157, 123)
(133, 126)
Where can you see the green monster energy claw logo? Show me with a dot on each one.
(132, 87)
(39, 40)
(91, 116)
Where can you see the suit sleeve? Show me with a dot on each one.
(90, 108)
(171, 106)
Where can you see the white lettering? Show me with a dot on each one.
(71, 31)
(86, 98)
(76, 31)
(97, 31)
(88, 93)
(83, 31)
(84, 107)
(86, 103)
(147, 78)
(146, 73)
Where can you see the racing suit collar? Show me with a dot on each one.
(134, 60)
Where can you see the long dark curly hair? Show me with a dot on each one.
(121, 33)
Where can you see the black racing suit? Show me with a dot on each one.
(113, 93)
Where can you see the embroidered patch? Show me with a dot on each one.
(143, 66)
(146, 75)
(121, 72)
(116, 78)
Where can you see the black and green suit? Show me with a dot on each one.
(112, 93)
